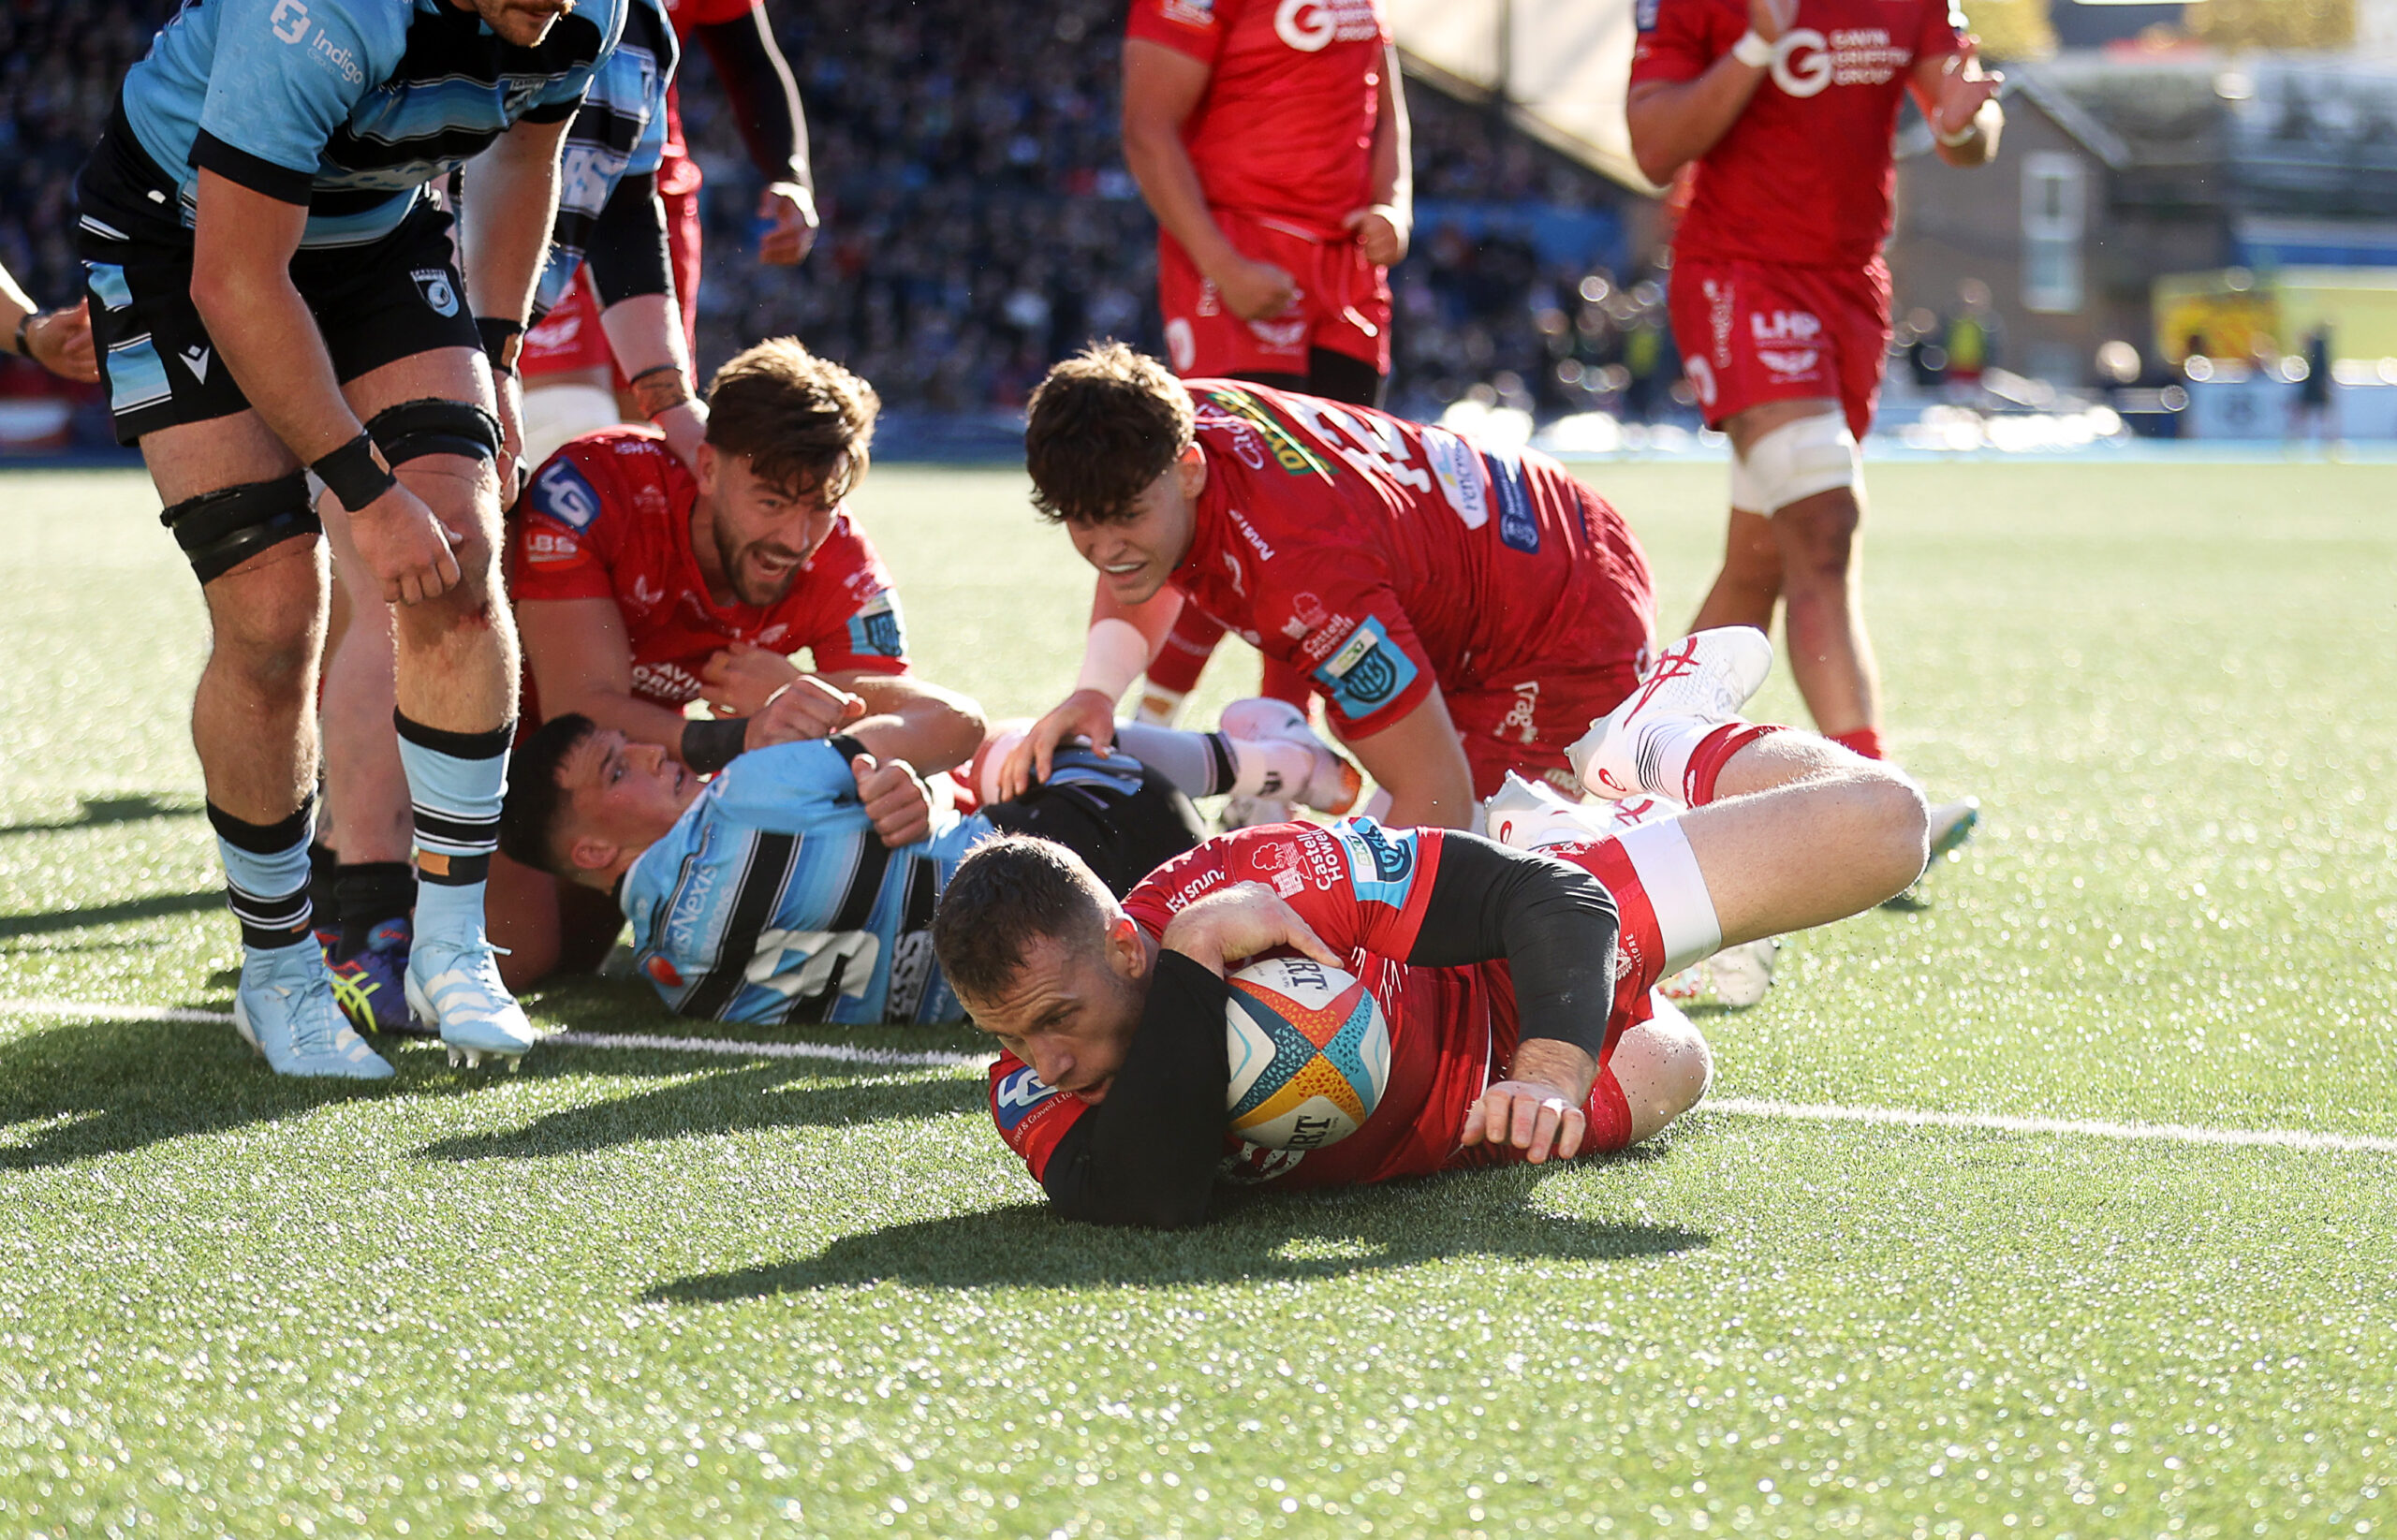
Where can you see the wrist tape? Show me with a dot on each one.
(352, 474)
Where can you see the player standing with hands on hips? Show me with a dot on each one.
(1784, 112)
(273, 292)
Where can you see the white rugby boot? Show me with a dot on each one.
(1738, 976)
(283, 1008)
(456, 991)
(1704, 678)
(1334, 784)
(1526, 815)
(1953, 824)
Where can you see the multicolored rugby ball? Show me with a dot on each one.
(1310, 1053)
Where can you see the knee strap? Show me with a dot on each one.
(1798, 460)
(220, 530)
(415, 429)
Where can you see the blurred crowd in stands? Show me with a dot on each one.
(979, 223)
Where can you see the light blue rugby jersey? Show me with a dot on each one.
(772, 900)
(348, 106)
(620, 131)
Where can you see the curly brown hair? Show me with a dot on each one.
(1102, 426)
(805, 422)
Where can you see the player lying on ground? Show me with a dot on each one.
(1466, 611)
(799, 885)
(1516, 984)
(273, 292)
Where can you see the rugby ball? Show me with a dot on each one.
(1310, 1053)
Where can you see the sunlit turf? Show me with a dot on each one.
(646, 1293)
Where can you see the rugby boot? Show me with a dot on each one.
(455, 990)
(1703, 678)
(1737, 977)
(1531, 815)
(1951, 824)
(283, 1008)
(1334, 784)
(370, 984)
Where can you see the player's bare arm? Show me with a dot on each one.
(1124, 639)
(1419, 760)
(1161, 89)
(581, 662)
(1226, 928)
(1386, 225)
(645, 334)
(905, 718)
(58, 340)
(774, 126)
(243, 243)
(511, 203)
(1676, 122)
(1958, 100)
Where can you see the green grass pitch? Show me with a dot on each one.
(656, 1293)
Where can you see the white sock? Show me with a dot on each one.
(1277, 769)
(1661, 753)
(1686, 923)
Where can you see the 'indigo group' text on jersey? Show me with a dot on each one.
(349, 106)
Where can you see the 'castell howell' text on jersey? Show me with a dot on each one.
(349, 106)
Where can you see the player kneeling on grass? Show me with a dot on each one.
(799, 884)
(1515, 984)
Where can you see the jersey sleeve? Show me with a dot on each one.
(562, 97)
(1338, 620)
(1677, 40)
(285, 77)
(565, 536)
(1192, 27)
(1033, 1117)
(861, 630)
(787, 788)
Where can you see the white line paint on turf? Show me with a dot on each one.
(1742, 1107)
(1899, 1117)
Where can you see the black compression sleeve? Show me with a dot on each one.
(625, 250)
(1147, 1155)
(756, 80)
(1555, 925)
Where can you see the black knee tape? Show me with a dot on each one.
(220, 530)
(414, 429)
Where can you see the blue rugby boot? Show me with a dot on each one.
(371, 986)
(455, 990)
(284, 1010)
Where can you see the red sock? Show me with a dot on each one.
(1713, 753)
(1864, 741)
(1187, 648)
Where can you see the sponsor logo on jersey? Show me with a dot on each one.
(1458, 469)
(876, 629)
(289, 20)
(1313, 25)
(1367, 673)
(196, 360)
(1280, 336)
(1181, 344)
(1307, 610)
(1181, 898)
(549, 547)
(667, 683)
(1248, 532)
(1289, 453)
(1518, 526)
(438, 292)
(1520, 715)
(561, 492)
(1785, 326)
(1806, 61)
(1013, 1099)
(1788, 364)
(1327, 638)
(1381, 864)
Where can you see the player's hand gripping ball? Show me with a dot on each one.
(1310, 1053)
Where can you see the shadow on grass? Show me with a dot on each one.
(1252, 1237)
(99, 811)
(777, 1095)
(104, 1088)
(156, 906)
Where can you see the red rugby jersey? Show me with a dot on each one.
(1804, 173)
(678, 172)
(1285, 128)
(609, 516)
(1380, 556)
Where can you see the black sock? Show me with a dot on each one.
(323, 867)
(368, 894)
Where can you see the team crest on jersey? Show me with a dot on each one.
(1381, 864)
(876, 627)
(438, 292)
(1368, 672)
(1013, 1099)
(561, 492)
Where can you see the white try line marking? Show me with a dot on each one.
(1745, 1107)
